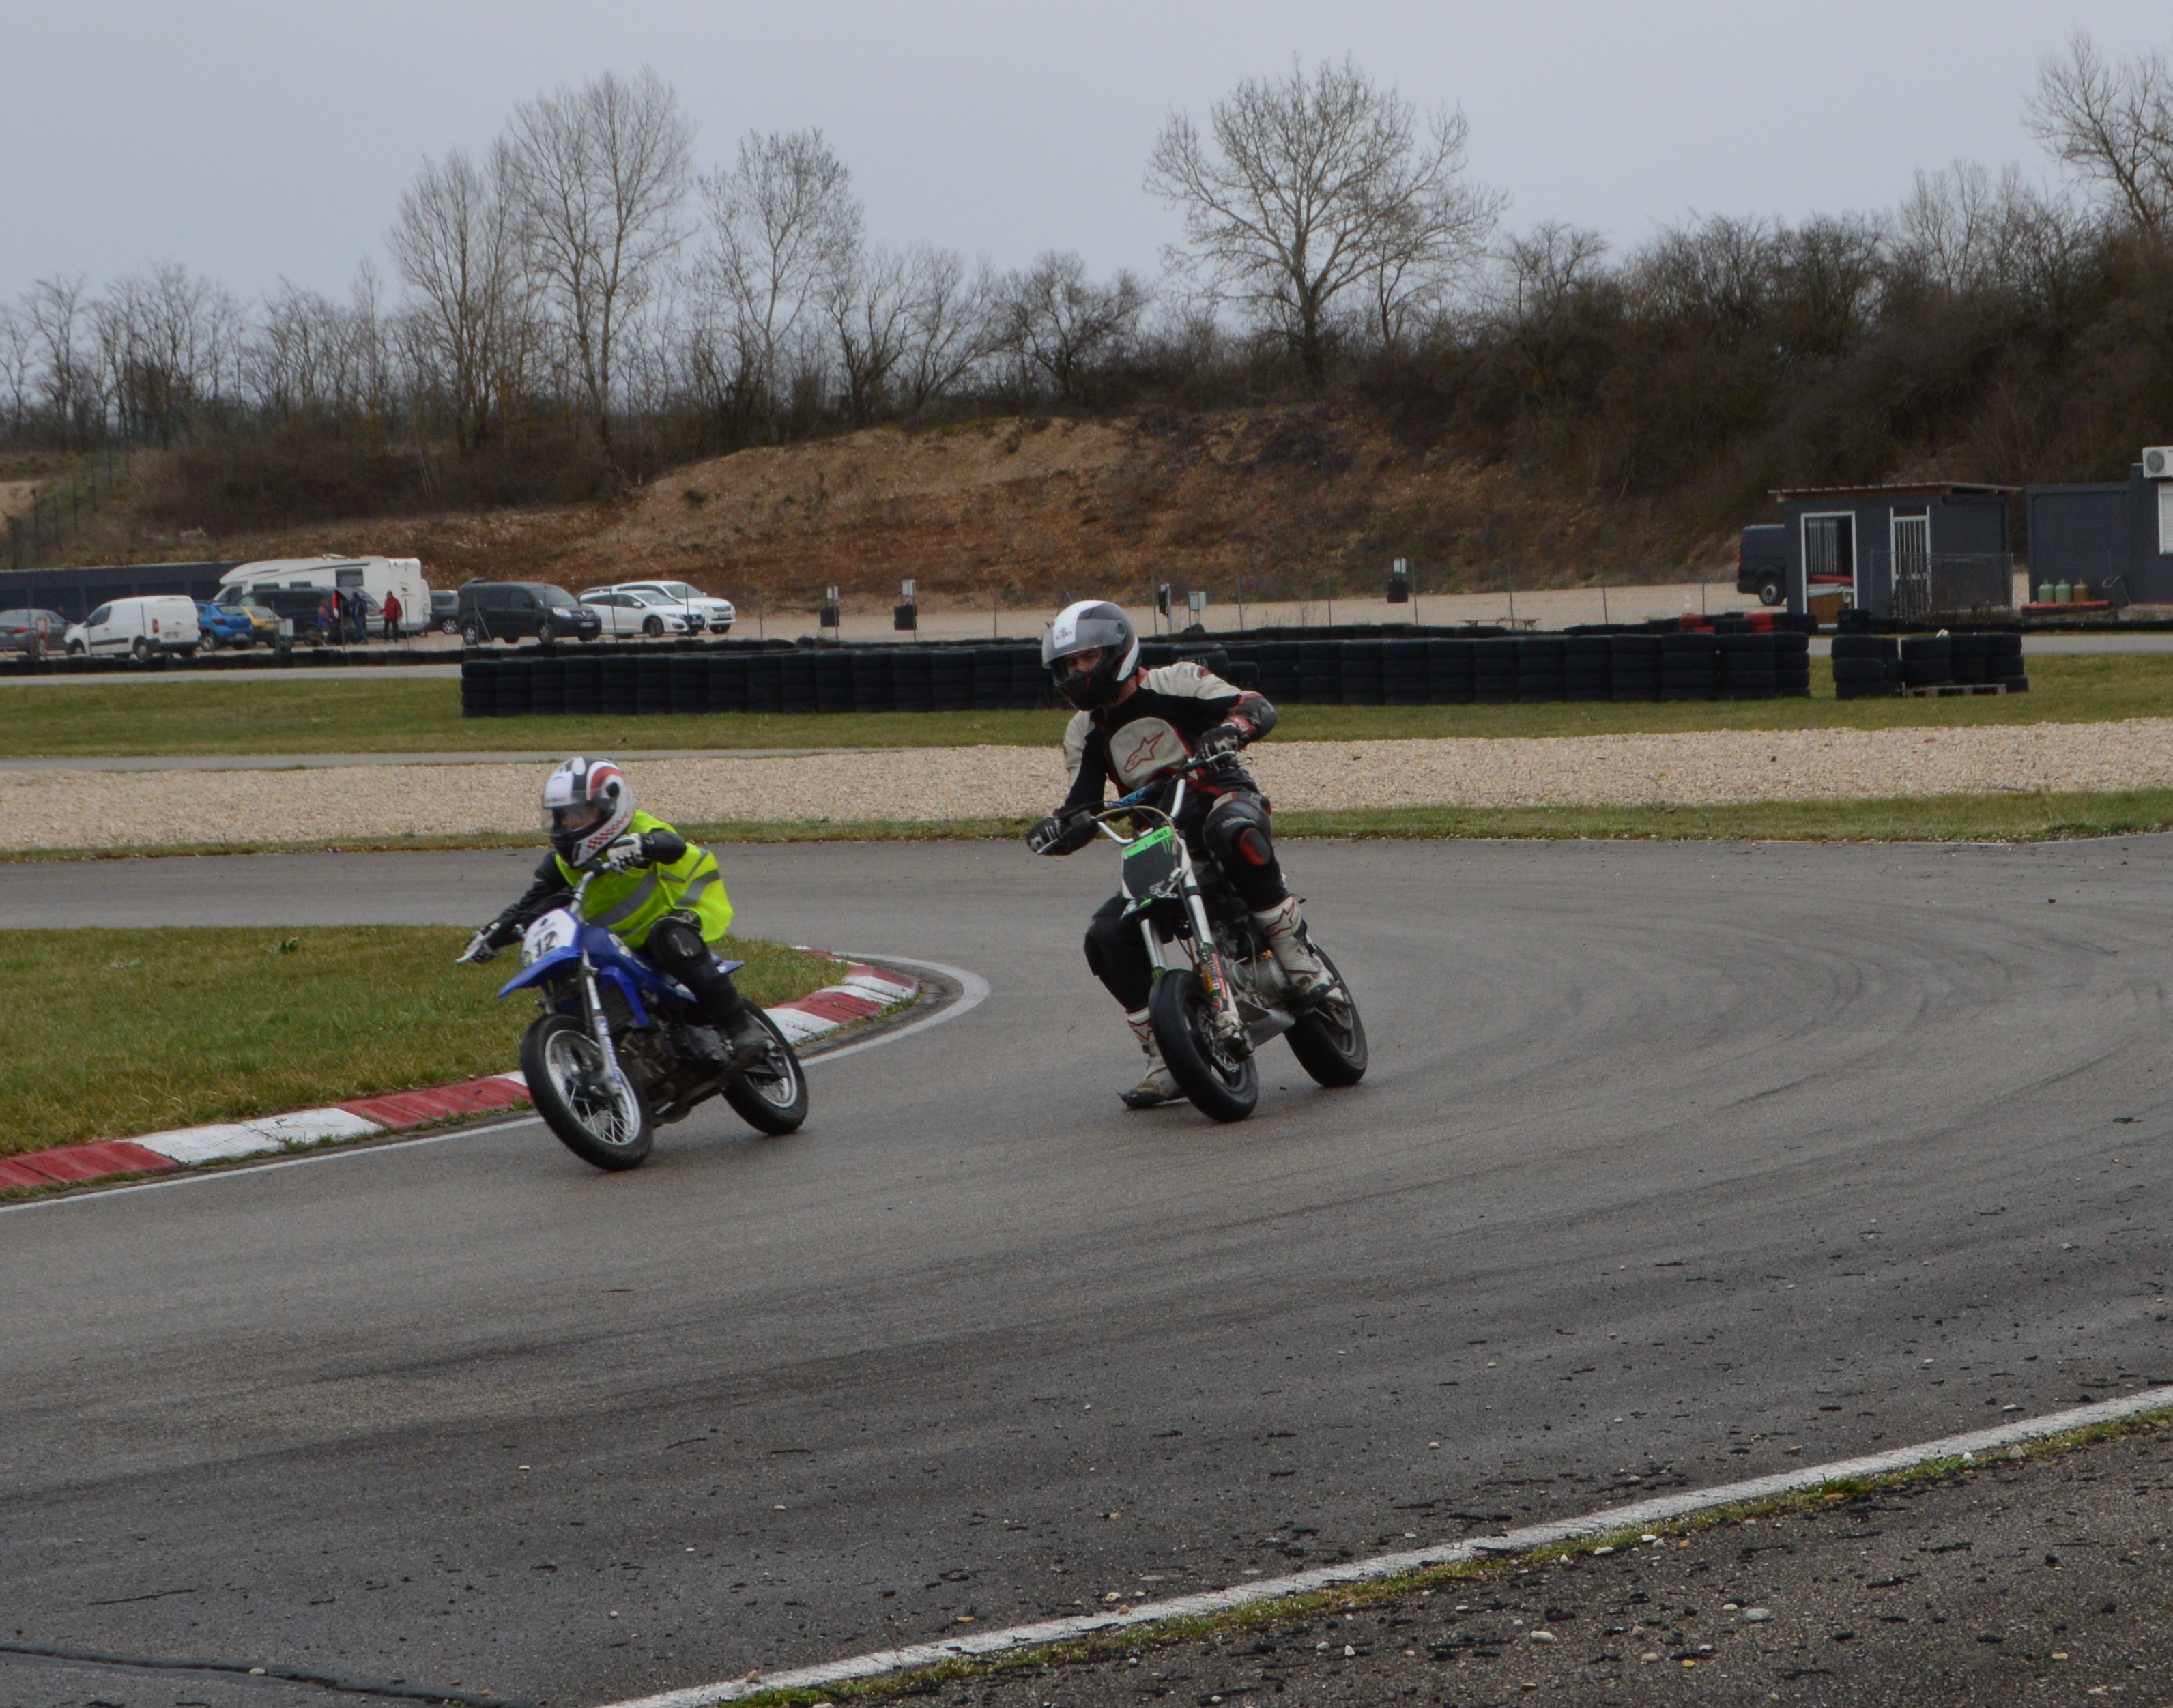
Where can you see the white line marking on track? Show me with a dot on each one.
(974, 991)
(1600, 1523)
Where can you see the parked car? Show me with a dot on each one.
(20, 630)
(224, 625)
(625, 612)
(444, 611)
(309, 609)
(718, 614)
(1761, 564)
(147, 627)
(520, 610)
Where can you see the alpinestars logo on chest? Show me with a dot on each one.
(1146, 751)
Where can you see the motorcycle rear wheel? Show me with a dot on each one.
(1221, 1085)
(1330, 1042)
(607, 1125)
(771, 1097)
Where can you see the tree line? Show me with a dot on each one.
(582, 303)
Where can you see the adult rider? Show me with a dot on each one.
(657, 891)
(1134, 726)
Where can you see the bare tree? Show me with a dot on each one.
(785, 227)
(19, 363)
(171, 343)
(56, 308)
(457, 247)
(950, 325)
(1318, 186)
(2113, 123)
(596, 175)
(1055, 323)
(868, 301)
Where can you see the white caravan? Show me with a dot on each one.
(143, 627)
(371, 576)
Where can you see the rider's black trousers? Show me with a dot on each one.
(675, 945)
(1232, 830)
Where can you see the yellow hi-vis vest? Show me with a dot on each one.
(630, 901)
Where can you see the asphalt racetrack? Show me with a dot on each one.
(1677, 1164)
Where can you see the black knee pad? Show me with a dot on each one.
(1237, 834)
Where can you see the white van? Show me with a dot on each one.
(371, 576)
(144, 628)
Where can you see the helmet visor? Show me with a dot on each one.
(572, 821)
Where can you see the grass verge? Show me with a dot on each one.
(1299, 1609)
(112, 1033)
(1995, 818)
(199, 716)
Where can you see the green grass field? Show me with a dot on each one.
(109, 1032)
(348, 716)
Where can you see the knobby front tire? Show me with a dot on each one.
(607, 1125)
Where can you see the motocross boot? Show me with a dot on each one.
(747, 1037)
(1158, 1087)
(1284, 927)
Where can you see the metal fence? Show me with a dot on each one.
(1965, 584)
(45, 530)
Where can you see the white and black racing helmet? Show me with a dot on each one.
(1089, 626)
(587, 805)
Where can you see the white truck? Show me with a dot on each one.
(147, 626)
(372, 577)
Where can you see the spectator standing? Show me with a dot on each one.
(393, 617)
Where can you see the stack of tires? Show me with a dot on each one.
(479, 687)
(1361, 672)
(1634, 667)
(1404, 672)
(2002, 662)
(1320, 672)
(951, 680)
(765, 683)
(1746, 666)
(1865, 665)
(1448, 672)
(874, 682)
(1791, 665)
(1927, 660)
(1586, 674)
(585, 686)
(1539, 669)
(1494, 671)
(1690, 665)
(795, 683)
(913, 681)
(546, 687)
(1278, 662)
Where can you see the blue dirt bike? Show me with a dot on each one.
(620, 1049)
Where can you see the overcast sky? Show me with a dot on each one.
(256, 141)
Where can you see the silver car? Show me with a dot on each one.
(718, 614)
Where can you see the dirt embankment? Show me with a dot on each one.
(1028, 510)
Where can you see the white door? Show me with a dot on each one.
(1912, 563)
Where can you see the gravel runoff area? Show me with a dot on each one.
(2043, 1580)
(115, 809)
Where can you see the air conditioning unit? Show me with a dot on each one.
(2158, 462)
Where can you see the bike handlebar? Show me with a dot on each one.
(1199, 762)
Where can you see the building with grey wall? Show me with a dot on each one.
(2115, 537)
(1933, 549)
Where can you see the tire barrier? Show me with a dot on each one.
(1868, 667)
(1487, 669)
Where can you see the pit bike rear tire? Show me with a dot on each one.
(1330, 1042)
(1221, 1084)
(607, 1126)
(771, 1097)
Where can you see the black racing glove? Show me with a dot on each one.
(1066, 830)
(1223, 739)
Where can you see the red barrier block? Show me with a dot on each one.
(404, 1109)
(73, 1162)
(13, 1174)
(840, 1005)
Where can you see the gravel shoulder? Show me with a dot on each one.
(109, 810)
(2045, 1580)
